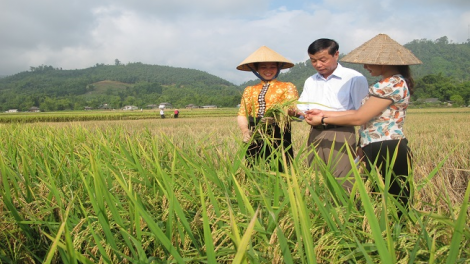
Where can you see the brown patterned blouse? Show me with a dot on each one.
(259, 98)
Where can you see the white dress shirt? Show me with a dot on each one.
(343, 90)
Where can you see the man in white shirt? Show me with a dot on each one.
(332, 88)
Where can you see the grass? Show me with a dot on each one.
(178, 191)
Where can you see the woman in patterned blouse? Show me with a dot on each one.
(383, 111)
(257, 100)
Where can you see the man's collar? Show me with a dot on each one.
(337, 73)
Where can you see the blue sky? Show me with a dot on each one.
(209, 35)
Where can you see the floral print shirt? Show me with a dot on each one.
(388, 125)
(258, 98)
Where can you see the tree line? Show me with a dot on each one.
(54, 89)
(444, 74)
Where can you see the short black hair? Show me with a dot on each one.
(323, 43)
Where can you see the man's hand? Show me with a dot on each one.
(313, 117)
(314, 112)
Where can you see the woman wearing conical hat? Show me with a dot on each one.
(263, 127)
(382, 113)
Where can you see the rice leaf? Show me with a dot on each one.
(385, 255)
(459, 229)
(209, 242)
(241, 251)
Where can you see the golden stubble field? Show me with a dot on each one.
(434, 135)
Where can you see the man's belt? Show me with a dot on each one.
(323, 127)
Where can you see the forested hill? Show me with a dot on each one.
(445, 71)
(444, 74)
(136, 84)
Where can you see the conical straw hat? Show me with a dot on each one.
(264, 54)
(381, 50)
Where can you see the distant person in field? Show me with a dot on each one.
(267, 136)
(332, 88)
(162, 113)
(382, 113)
(176, 113)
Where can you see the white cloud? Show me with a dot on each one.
(209, 35)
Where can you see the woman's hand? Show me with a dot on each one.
(247, 136)
(294, 112)
(359, 154)
(313, 120)
(313, 117)
(268, 120)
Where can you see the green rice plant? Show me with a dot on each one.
(459, 227)
(207, 230)
(152, 191)
(301, 217)
(280, 113)
(385, 251)
(243, 243)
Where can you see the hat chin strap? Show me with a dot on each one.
(259, 76)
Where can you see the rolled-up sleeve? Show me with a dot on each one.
(245, 105)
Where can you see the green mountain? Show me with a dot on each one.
(136, 84)
(444, 74)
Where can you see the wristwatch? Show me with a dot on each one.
(323, 121)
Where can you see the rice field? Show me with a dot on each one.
(170, 190)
